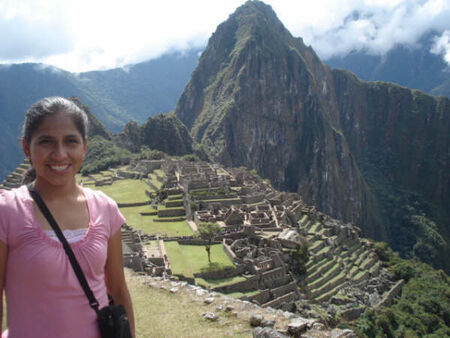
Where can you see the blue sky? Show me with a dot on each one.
(87, 35)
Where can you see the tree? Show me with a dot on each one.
(207, 232)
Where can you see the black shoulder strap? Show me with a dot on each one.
(73, 261)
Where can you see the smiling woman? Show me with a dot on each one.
(44, 296)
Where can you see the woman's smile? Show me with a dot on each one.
(59, 168)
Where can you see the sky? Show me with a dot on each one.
(83, 35)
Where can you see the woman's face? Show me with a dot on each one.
(56, 150)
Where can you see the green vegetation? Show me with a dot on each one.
(148, 154)
(413, 229)
(102, 154)
(207, 232)
(126, 191)
(423, 307)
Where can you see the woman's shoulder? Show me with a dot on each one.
(13, 196)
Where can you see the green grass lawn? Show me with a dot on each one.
(149, 226)
(169, 228)
(126, 191)
(132, 215)
(179, 264)
(191, 259)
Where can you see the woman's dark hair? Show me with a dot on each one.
(46, 107)
(51, 106)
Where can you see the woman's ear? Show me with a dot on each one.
(25, 147)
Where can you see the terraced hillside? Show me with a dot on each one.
(257, 257)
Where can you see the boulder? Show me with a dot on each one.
(298, 326)
(209, 316)
(267, 332)
(339, 333)
(255, 319)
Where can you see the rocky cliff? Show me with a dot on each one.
(260, 98)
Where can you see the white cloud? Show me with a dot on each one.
(442, 46)
(338, 27)
(98, 34)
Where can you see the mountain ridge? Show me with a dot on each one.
(23, 84)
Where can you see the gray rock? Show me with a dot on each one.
(298, 326)
(339, 333)
(152, 285)
(352, 314)
(229, 308)
(209, 300)
(173, 290)
(209, 316)
(268, 323)
(267, 332)
(339, 300)
(289, 315)
(319, 326)
(255, 320)
(200, 292)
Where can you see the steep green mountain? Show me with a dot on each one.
(412, 67)
(260, 98)
(114, 96)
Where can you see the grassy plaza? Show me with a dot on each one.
(189, 259)
(126, 191)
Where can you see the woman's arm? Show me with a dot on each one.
(115, 278)
(3, 259)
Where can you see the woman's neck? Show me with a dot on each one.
(50, 192)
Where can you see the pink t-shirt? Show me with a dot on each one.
(44, 297)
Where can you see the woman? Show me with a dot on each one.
(44, 297)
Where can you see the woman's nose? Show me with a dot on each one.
(59, 151)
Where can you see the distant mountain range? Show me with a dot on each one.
(115, 96)
(412, 67)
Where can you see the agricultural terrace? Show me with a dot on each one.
(133, 214)
(153, 178)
